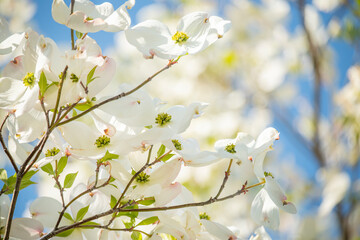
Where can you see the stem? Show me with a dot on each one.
(59, 94)
(111, 211)
(12, 205)
(12, 161)
(226, 177)
(72, 30)
(315, 57)
(121, 95)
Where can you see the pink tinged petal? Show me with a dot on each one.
(78, 21)
(103, 126)
(166, 173)
(264, 211)
(218, 27)
(151, 38)
(218, 230)
(104, 73)
(46, 210)
(14, 69)
(60, 12)
(167, 194)
(87, 47)
(265, 140)
(278, 196)
(26, 228)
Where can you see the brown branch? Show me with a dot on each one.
(6, 150)
(121, 95)
(226, 177)
(72, 30)
(315, 57)
(211, 200)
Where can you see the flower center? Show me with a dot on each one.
(230, 148)
(142, 178)
(162, 119)
(29, 80)
(268, 174)
(74, 78)
(52, 152)
(204, 215)
(89, 19)
(180, 37)
(177, 144)
(102, 141)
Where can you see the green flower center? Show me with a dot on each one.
(230, 148)
(89, 19)
(203, 215)
(162, 119)
(142, 178)
(177, 144)
(268, 174)
(52, 152)
(102, 141)
(74, 78)
(29, 80)
(180, 37)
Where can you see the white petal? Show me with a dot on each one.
(278, 196)
(264, 211)
(218, 230)
(167, 194)
(26, 228)
(46, 210)
(78, 22)
(60, 12)
(11, 90)
(120, 19)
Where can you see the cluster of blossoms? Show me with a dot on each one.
(56, 113)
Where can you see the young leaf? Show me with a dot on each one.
(161, 150)
(167, 157)
(136, 236)
(84, 106)
(68, 217)
(90, 76)
(78, 34)
(128, 224)
(81, 213)
(147, 201)
(108, 156)
(48, 169)
(42, 84)
(69, 180)
(61, 164)
(113, 201)
(148, 221)
(65, 233)
(3, 175)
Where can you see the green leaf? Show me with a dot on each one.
(84, 106)
(3, 175)
(128, 224)
(10, 183)
(65, 233)
(167, 157)
(42, 84)
(79, 34)
(48, 168)
(74, 113)
(61, 164)
(161, 150)
(89, 223)
(68, 217)
(131, 215)
(113, 201)
(108, 156)
(147, 201)
(136, 236)
(90, 76)
(81, 213)
(148, 221)
(69, 180)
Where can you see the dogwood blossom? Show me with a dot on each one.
(194, 33)
(88, 17)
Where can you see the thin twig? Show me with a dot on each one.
(72, 30)
(154, 209)
(121, 95)
(6, 150)
(63, 76)
(226, 177)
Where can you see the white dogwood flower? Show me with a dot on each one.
(88, 17)
(194, 33)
